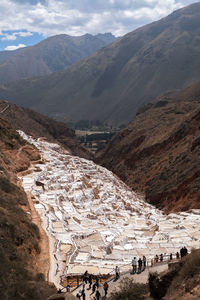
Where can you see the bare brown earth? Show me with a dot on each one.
(159, 152)
(41, 261)
(21, 242)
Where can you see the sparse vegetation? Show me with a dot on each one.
(19, 237)
(130, 291)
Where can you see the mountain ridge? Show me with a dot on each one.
(50, 55)
(113, 83)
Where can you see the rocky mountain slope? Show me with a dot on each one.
(50, 55)
(20, 275)
(39, 125)
(158, 153)
(111, 84)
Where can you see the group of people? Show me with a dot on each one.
(94, 285)
(183, 252)
(139, 265)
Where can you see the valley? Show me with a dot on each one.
(94, 221)
(111, 171)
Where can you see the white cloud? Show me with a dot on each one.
(8, 37)
(13, 36)
(23, 33)
(10, 48)
(76, 17)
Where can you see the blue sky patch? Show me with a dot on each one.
(11, 40)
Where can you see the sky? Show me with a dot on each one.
(26, 22)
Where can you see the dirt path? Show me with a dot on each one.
(138, 278)
(115, 285)
(42, 261)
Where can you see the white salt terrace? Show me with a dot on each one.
(94, 221)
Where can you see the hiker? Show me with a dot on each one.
(78, 295)
(156, 258)
(116, 272)
(170, 256)
(93, 288)
(68, 288)
(185, 251)
(134, 265)
(177, 255)
(97, 295)
(83, 283)
(139, 265)
(83, 294)
(182, 252)
(97, 282)
(105, 287)
(144, 262)
(90, 281)
(85, 276)
(161, 257)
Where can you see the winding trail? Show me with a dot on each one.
(42, 262)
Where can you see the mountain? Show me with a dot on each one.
(21, 252)
(37, 125)
(4, 55)
(50, 55)
(159, 152)
(113, 83)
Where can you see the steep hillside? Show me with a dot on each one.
(4, 55)
(20, 238)
(38, 125)
(51, 55)
(159, 154)
(111, 84)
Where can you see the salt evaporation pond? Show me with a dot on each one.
(94, 221)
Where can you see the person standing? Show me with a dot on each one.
(116, 272)
(105, 287)
(134, 265)
(97, 295)
(97, 282)
(90, 281)
(139, 265)
(144, 262)
(182, 252)
(93, 288)
(85, 276)
(83, 294)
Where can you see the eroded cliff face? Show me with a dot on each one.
(159, 154)
(20, 237)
